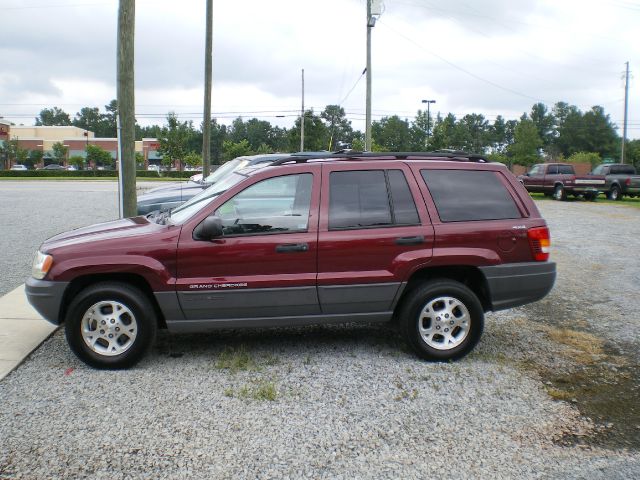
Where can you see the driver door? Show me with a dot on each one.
(265, 264)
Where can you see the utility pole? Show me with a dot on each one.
(126, 116)
(374, 10)
(626, 111)
(206, 126)
(367, 129)
(302, 117)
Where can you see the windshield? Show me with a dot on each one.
(190, 207)
(225, 169)
(599, 170)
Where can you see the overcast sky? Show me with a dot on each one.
(491, 57)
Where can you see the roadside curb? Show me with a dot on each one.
(22, 330)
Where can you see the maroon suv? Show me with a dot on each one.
(430, 241)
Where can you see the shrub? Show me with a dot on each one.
(585, 157)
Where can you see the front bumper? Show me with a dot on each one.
(46, 298)
(512, 285)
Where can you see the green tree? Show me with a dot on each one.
(192, 159)
(585, 157)
(392, 133)
(444, 133)
(473, 133)
(174, 139)
(53, 117)
(316, 133)
(9, 150)
(526, 145)
(498, 134)
(236, 149)
(418, 131)
(90, 119)
(35, 157)
(632, 153)
(98, 156)
(544, 122)
(22, 156)
(59, 152)
(238, 130)
(258, 132)
(338, 126)
(77, 161)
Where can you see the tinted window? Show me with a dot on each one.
(279, 204)
(404, 208)
(622, 170)
(462, 195)
(536, 170)
(358, 199)
(552, 170)
(565, 169)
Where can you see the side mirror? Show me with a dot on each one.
(210, 228)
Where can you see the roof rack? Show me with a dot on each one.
(451, 155)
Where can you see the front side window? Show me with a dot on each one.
(275, 205)
(463, 195)
(536, 170)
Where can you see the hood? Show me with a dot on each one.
(174, 187)
(114, 230)
(174, 193)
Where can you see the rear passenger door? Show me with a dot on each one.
(371, 234)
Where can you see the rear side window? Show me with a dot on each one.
(463, 195)
(565, 169)
(370, 198)
(552, 170)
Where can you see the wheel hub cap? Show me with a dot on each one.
(444, 323)
(109, 328)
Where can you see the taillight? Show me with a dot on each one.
(540, 242)
(627, 182)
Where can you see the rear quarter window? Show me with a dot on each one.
(465, 195)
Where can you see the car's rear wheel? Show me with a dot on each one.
(614, 193)
(441, 320)
(559, 193)
(110, 325)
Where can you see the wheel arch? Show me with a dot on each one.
(469, 276)
(80, 283)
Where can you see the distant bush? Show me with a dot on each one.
(585, 157)
(82, 173)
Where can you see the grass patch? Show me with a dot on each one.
(262, 391)
(236, 360)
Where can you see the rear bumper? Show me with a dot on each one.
(46, 298)
(516, 284)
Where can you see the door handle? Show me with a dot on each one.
(292, 247)
(417, 240)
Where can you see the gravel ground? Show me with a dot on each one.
(349, 401)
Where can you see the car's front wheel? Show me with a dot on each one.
(441, 320)
(110, 325)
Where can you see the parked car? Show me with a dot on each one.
(431, 241)
(560, 180)
(620, 180)
(72, 168)
(154, 168)
(19, 168)
(170, 196)
(52, 166)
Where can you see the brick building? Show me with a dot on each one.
(75, 139)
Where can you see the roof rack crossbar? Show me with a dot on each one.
(341, 155)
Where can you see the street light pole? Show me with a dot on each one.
(428, 102)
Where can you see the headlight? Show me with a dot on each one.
(41, 265)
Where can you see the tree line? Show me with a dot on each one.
(557, 133)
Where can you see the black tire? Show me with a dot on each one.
(433, 293)
(614, 193)
(559, 193)
(590, 197)
(126, 348)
